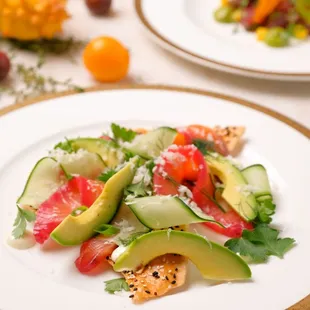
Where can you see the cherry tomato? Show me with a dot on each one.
(99, 7)
(5, 66)
(106, 59)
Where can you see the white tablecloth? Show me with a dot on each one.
(152, 65)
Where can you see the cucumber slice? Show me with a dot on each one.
(84, 163)
(158, 212)
(45, 178)
(257, 177)
(150, 145)
(111, 155)
(263, 198)
(128, 224)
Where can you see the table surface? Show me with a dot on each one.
(150, 64)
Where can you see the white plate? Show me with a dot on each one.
(188, 29)
(36, 280)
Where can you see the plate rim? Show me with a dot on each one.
(209, 62)
(198, 91)
(302, 304)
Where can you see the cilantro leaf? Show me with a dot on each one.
(204, 146)
(122, 133)
(265, 210)
(107, 230)
(116, 285)
(20, 223)
(138, 189)
(105, 176)
(260, 243)
(65, 146)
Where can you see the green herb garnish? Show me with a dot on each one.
(65, 146)
(266, 209)
(137, 190)
(105, 176)
(260, 243)
(122, 133)
(116, 285)
(204, 146)
(20, 223)
(107, 230)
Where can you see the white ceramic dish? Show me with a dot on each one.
(40, 279)
(188, 29)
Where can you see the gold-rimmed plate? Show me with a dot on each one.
(187, 28)
(47, 279)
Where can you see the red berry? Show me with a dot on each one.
(4, 65)
(99, 7)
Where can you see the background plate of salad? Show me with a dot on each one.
(257, 38)
(50, 277)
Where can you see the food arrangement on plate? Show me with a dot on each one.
(275, 22)
(132, 199)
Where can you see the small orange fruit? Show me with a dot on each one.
(106, 59)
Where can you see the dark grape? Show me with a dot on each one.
(99, 7)
(4, 65)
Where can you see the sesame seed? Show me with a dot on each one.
(170, 271)
(135, 289)
(174, 276)
(155, 293)
(176, 269)
(107, 257)
(148, 292)
(166, 277)
(173, 282)
(131, 296)
(131, 285)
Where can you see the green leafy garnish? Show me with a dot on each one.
(107, 230)
(204, 146)
(122, 133)
(65, 146)
(260, 243)
(150, 166)
(137, 190)
(116, 285)
(265, 210)
(128, 155)
(131, 238)
(105, 176)
(20, 223)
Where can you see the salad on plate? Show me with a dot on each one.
(133, 200)
(276, 22)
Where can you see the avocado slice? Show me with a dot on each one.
(213, 261)
(76, 229)
(235, 193)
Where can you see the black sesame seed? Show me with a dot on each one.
(148, 292)
(176, 269)
(131, 285)
(174, 276)
(173, 282)
(131, 296)
(135, 289)
(177, 226)
(155, 294)
(107, 257)
(167, 278)
(182, 229)
(155, 274)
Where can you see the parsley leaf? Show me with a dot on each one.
(107, 230)
(122, 133)
(260, 243)
(138, 189)
(204, 146)
(65, 146)
(116, 285)
(20, 223)
(105, 176)
(265, 210)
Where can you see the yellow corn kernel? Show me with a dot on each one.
(237, 15)
(261, 33)
(300, 32)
